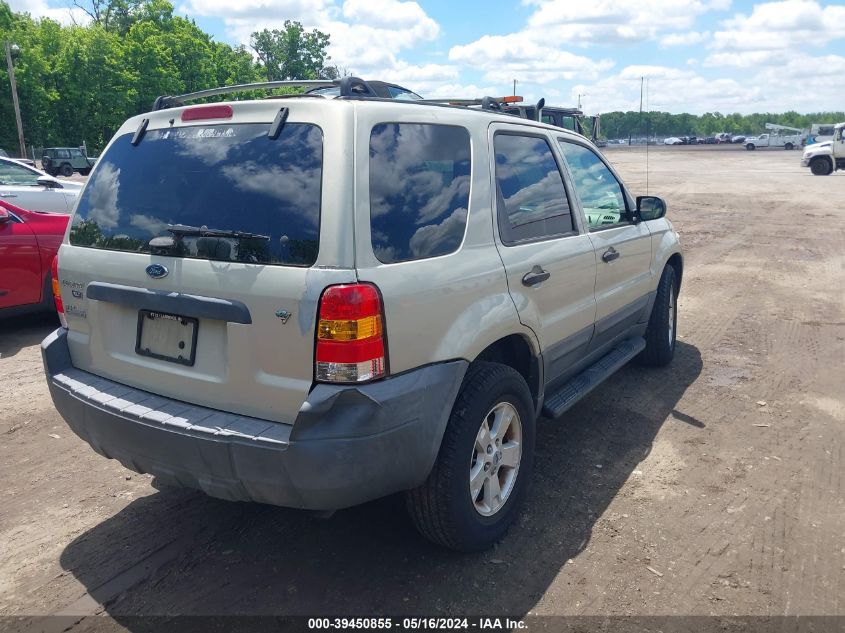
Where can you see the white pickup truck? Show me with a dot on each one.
(790, 141)
(825, 158)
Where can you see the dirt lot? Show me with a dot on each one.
(712, 487)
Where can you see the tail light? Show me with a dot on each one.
(57, 294)
(351, 343)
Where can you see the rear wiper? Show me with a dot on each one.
(180, 230)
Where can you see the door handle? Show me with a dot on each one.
(8, 195)
(536, 276)
(609, 255)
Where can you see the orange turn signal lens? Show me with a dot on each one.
(349, 330)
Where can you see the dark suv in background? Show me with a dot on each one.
(65, 160)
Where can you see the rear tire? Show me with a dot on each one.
(788, 146)
(444, 509)
(85, 171)
(821, 167)
(750, 147)
(662, 330)
(66, 170)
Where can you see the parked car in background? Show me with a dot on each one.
(710, 140)
(672, 140)
(29, 241)
(25, 161)
(739, 139)
(32, 189)
(65, 161)
(723, 137)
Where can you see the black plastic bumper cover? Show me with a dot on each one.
(347, 445)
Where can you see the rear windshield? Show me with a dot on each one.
(222, 192)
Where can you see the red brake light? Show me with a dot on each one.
(207, 112)
(57, 294)
(350, 335)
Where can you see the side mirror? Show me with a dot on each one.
(49, 182)
(650, 208)
(5, 216)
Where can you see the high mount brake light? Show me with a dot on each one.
(351, 345)
(207, 112)
(57, 294)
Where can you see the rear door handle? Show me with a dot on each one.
(8, 195)
(536, 276)
(609, 255)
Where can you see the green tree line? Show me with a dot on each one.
(79, 83)
(623, 125)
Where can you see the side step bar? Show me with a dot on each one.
(556, 404)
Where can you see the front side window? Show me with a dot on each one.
(11, 174)
(419, 190)
(532, 199)
(221, 192)
(600, 192)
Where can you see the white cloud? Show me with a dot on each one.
(690, 38)
(366, 35)
(782, 25)
(670, 89)
(505, 57)
(391, 14)
(630, 20)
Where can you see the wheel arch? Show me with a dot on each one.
(676, 261)
(516, 351)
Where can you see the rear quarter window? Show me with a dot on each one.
(419, 190)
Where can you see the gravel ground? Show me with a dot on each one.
(711, 487)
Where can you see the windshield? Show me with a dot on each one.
(257, 199)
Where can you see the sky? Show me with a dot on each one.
(696, 55)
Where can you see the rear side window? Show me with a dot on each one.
(532, 201)
(221, 192)
(419, 190)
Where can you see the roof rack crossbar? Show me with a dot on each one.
(169, 102)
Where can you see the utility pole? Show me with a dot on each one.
(17, 105)
(579, 99)
(514, 87)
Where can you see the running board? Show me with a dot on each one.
(556, 404)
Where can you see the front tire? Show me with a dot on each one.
(662, 330)
(821, 167)
(750, 147)
(483, 468)
(66, 170)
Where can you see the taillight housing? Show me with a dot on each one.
(57, 295)
(351, 340)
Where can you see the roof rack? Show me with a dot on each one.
(349, 87)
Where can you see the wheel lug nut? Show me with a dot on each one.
(486, 466)
(489, 450)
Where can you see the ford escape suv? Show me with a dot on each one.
(315, 302)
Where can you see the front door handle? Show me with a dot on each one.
(536, 276)
(8, 195)
(609, 255)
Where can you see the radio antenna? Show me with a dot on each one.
(647, 135)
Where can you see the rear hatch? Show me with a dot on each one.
(195, 259)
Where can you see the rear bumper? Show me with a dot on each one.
(347, 445)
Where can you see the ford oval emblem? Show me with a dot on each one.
(157, 271)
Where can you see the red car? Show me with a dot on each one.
(29, 241)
